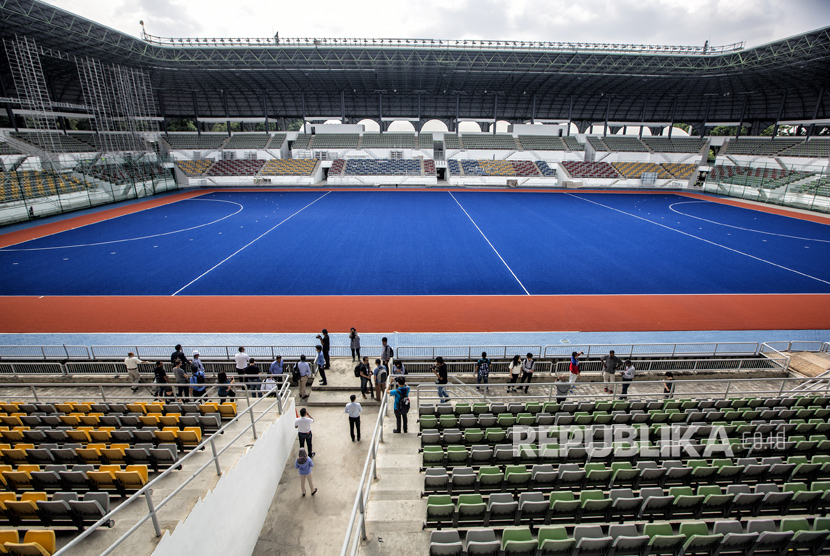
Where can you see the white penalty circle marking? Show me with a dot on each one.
(140, 238)
(671, 208)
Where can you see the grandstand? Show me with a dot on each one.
(601, 170)
(280, 167)
(194, 168)
(181, 141)
(248, 141)
(489, 142)
(389, 141)
(637, 169)
(235, 167)
(53, 142)
(17, 185)
(675, 145)
(541, 143)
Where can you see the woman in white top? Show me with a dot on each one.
(627, 377)
(515, 371)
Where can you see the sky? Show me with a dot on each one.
(670, 22)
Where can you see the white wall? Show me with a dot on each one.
(228, 520)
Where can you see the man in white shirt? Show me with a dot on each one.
(132, 362)
(354, 409)
(303, 426)
(305, 371)
(241, 360)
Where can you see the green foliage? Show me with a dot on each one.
(296, 125)
(767, 132)
(182, 124)
(711, 157)
(272, 126)
(235, 126)
(79, 124)
(728, 130)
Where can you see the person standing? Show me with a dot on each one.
(241, 359)
(354, 410)
(304, 370)
(483, 371)
(574, 369)
(303, 426)
(182, 382)
(325, 342)
(179, 354)
(381, 374)
(132, 362)
(440, 370)
(610, 364)
(365, 373)
(252, 378)
(386, 352)
(354, 343)
(515, 371)
(401, 394)
(320, 364)
(627, 377)
(528, 366)
(163, 390)
(197, 378)
(562, 389)
(276, 368)
(668, 385)
(304, 464)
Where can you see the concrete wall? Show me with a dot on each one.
(229, 519)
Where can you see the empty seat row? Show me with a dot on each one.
(690, 537)
(35, 542)
(104, 477)
(117, 408)
(95, 453)
(63, 509)
(622, 504)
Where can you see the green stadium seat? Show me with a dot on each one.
(518, 541)
(470, 509)
(554, 541)
(662, 539)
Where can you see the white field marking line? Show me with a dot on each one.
(132, 238)
(671, 208)
(488, 243)
(113, 218)
(266, 232)
(701, 239)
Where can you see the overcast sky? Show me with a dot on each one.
(681, 22)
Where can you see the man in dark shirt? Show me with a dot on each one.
(440, 370)
(610, 364)
(163, 389)
(179, 354)
(325, 341)
(252, 378)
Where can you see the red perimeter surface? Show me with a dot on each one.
(218, 314)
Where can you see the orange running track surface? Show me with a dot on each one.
(227, 314)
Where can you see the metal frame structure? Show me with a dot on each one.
(383, 79)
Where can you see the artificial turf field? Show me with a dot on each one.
(436, 257)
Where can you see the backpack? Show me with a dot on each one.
(405, 401)
(484, 369)
(357, 370)
(382, 376)
(200, 378)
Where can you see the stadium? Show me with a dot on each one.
(594, 270)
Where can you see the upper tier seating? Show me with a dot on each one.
(53, 141)
(381, 167)
(674, 145)
(289, 167)
(759, 145)
(235, 167)
(814, 148)
(573, 144)
(6, 148)
(637, 169)
(194, 168)
(488, 141)
(192, 141)
(542, 143)
(590, 169)
(277, 139)
(110, 141)
(30, 183)
(388, 141)
(680, 171)
(248, 141)
(597, 144)
(335, 141)
(303, 141)
(452, 141)
(624, 144)
(425, 141)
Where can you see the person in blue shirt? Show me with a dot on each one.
(320, 364)
(197, 379)
(483, 371)
(400, 392)
(276, 367)
(304, 464)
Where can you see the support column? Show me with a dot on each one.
(533, 109)
(570, 115)
(495, 111)
(743, 113)
(227, 113)
(815, 113)
(457, 108)
(195, 113)
(705, 117)
(302, 98)
(673, 109)
(780, 114)
(643, 117)
(605, 123)
(265, 109)
(9, 111)
(343, 107)
(380, 110)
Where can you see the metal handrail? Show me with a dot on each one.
(551, 389)
(362, 498)
(146, 490)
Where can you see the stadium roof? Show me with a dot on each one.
(374, 78)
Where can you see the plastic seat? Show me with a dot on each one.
(470, 508)
(433, 455)
(35, 543)
(23, 511)
(533, 507)
(715, 502)
(435, 480)
(686, 502)
(734, 541)
(445, 543)
(662, 539)
(804, 498)
(440, 509)
(502, 508)
(518, 541)
(624, 504)
(590, 541)
(563, 506)
(553, 540)
(698, 538)
(655, 503)
(91, 508)
(627, 540)
(57, 512)
(804, 537)
(103, 478)
(570, 476)
(132, 478)
(593, 503)
(482, 542)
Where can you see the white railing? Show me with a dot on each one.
(146, 491)
(357, 519)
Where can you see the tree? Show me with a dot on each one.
(296, 125)
(182, 124)
(728, 130)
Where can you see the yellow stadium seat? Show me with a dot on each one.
(227, 410)
(35, 543)
(104, 477)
